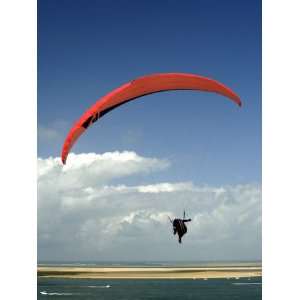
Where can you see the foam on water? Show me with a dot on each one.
(246, 283)
(99, 286)
(56, 294)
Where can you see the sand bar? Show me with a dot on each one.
(149, 273)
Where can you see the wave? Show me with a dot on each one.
(247, 283)
(70, 294)
(56, 294)
(100, 286)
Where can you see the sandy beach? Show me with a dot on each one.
(149, 273)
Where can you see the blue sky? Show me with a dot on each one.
(88, 48)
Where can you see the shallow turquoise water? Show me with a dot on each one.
(128, 289)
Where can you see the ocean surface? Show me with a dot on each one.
(149, 264)
(129, 289)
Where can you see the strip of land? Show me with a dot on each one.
(149, 273)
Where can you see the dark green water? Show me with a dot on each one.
(151, 264)
(211, 289)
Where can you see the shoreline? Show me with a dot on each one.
(148, 272)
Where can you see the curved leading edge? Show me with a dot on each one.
(140, 87)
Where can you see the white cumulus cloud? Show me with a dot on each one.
(83, 214)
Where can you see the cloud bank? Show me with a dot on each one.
(84, 213)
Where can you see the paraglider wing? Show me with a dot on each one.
(140, 87)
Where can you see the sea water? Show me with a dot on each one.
(150, 264)
(132, 289)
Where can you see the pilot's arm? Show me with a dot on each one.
(187, 220)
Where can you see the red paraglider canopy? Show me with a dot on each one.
(140, 87)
